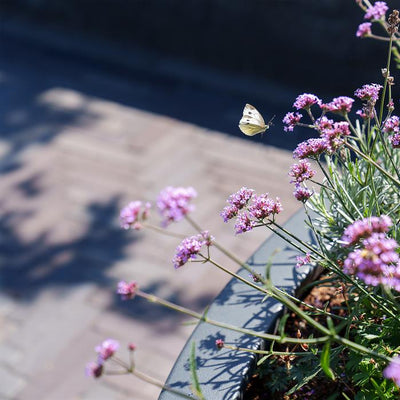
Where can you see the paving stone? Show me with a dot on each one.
(10, 383)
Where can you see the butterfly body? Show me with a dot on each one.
(252, 121)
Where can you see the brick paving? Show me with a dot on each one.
(70, 158)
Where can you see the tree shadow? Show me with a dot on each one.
(28, 267)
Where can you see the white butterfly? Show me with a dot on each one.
(252, 121)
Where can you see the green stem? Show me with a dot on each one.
(204, 318)
(155, 382)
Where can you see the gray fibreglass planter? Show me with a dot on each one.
(223, 373)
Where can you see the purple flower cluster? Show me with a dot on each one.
(291, 120)
(323, 123)
(262, 207)
(305, 101)
(377, 262)
(392, 125)
(302, 193)
(107, 349)
(364, 228)
(133, 214)
(395, 140)
(190, 247)
(334, 136)
(310, 148)
(236, 201)
(104, 351)
(392, 371)
(364, 30)
(303, 260)
(241, 198)
(127, 290)
(301, 172)
(377, 11)
(341, 105)
(244, 223)
(368, 92)
(249, 208)
(174, 203)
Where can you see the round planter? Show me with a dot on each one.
(223, 373)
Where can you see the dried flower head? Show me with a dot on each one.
(393, 22)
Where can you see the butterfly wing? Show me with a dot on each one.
(252, 121)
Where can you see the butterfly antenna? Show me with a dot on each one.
(270, 121)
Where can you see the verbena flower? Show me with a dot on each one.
(392, 371)
(133, 214)
(241, 198)
(341, 105)
(244, 223)
(302, 194)
(368, 92)
(392, 125)
(174, 203)
(94, 369)
(303, 260)
(291, 120)
(237, 201)
(127, 290)
(334, 136)
(323, 123)
(310, 148)
(263, 207)
(301, 172)
(376, 263)
(190, 247)
(377, 11)
(364, 30)
(364, 228)
(395, 140)
(229, 212)
(107, 349)
(305, 101)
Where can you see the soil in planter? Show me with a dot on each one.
(274, 373)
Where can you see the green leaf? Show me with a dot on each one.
(325, 356)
